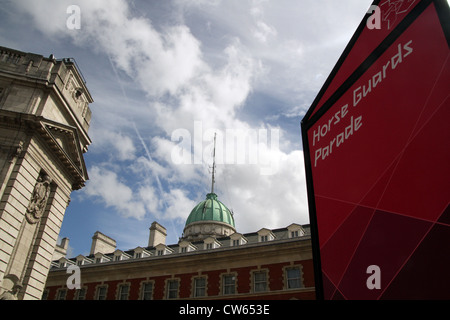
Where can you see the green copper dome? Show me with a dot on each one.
(211, 209)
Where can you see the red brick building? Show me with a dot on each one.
(205, 264)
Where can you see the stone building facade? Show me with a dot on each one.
(44, 122)
(210, 261)
(266, 264)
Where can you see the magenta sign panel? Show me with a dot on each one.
(377, 155)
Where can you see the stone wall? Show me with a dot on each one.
(39, 165)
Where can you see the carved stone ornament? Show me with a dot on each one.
(39, 198)
(16, 152)
(10, 287)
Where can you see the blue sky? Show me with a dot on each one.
(159, 70)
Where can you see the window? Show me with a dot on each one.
(98, 260)
(265, 235)
(80, 294)
(200, 287)
(138, 255)
(61, 294)
(229, 284)
(172, 289)
(295, 231)
(186, 246)
(260, 281)
(237, 239)
(211, 243)
(123, 292)
(147, 291)
(294, 278)
(160, 252)
(117, 258)
(101, 293)
(79, 262)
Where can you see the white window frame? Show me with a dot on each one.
(299, 279)
(144, 292)
(258, 282)
(98, 292)
(170, 290)
(61, 294)
(121, 295)
(80, 294)
(226, 285)
(265, 235)
(200, 289)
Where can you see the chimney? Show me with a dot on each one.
(102, 243)
(61, 249)
(157, 235)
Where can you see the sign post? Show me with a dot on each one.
(377, 157)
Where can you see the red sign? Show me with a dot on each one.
(377, 156)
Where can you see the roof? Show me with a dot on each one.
(211, 209)
(252, 239)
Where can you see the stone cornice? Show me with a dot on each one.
(73, 162)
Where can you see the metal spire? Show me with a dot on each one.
(214, 165)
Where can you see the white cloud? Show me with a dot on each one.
(277, 47)
(149, 196)
(179, 205)
(105, 184)
(261, 31)
(122, 145)
(176, 172)
(270, 201)
(160, 61)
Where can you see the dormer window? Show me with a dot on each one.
(140, 253)
(211, 243)
(295, 230)
(64, 262)
(119, 255)
(82, 260)
(186, 246)
(237, 239)
(265, 235)
(100, 258)
(162, 249)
